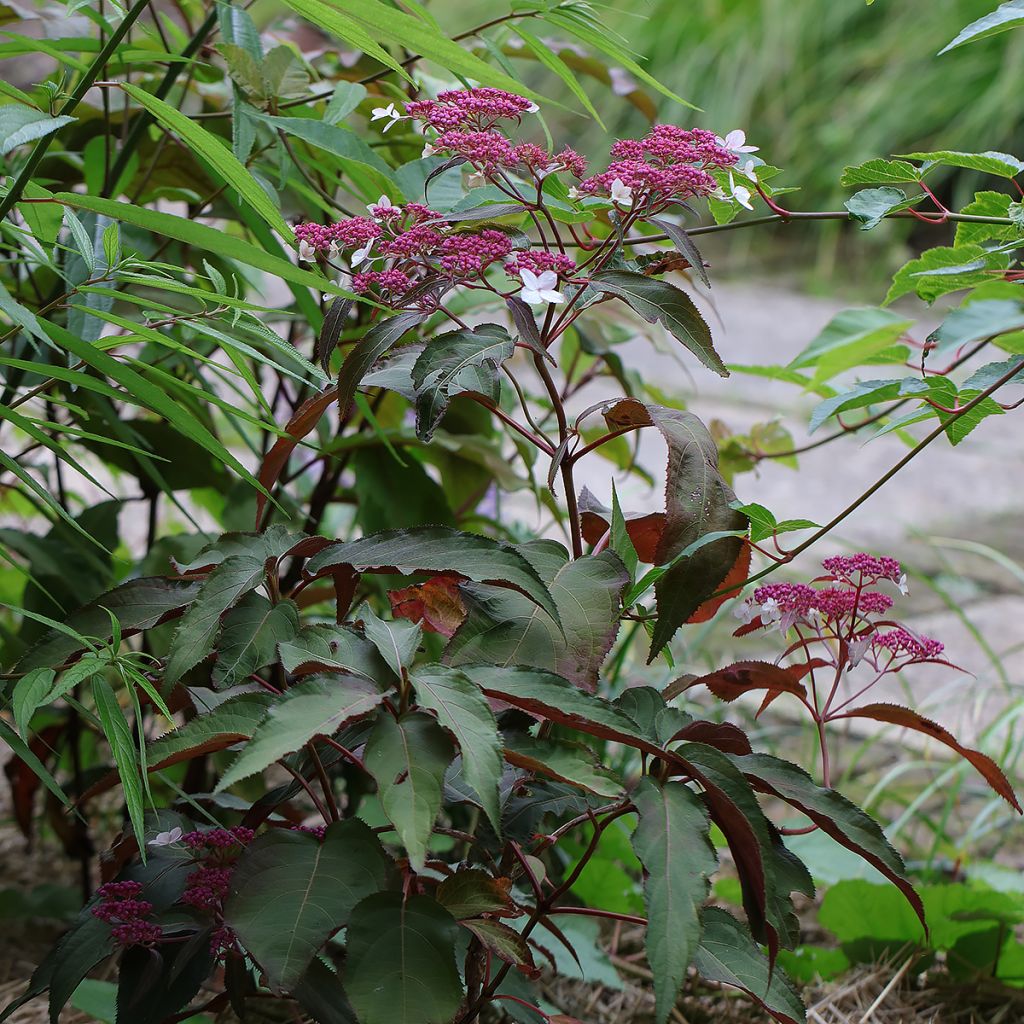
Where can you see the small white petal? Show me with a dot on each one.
(548, 279)
(428, 150)
(574, 192)
(904, 587)
(530, 279)
(747, 170)
(166, 838)
(306, 252)
(552, 295)
(532, 108)
(476, 179)
(621, 192)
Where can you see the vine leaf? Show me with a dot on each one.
(290, 891)
(318, 706)
(439, 549)
(660, 302)
(463, 711)
(728, 955)
(457, 363)
(400, 966)
(408, 757)
(894, 714)
(673, 843)
(742, 677)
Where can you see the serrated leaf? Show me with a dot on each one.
(290, 892)
(318, 706)
(660, 302)
(193, 639)
(871, 205)
(30, 693)
(672, 842)
(250, 635)
(986, 204)
(871, 392)
(503, 628)
(19, 124)
(945, 269)
(321, 647)
(463, 711)
(374, 344)
(436, 549)
(396, 640)
(986, 318)
(504, 942)
(881, 172)
(400, 965)
(334, 323)
(728, 955)
(408, 757)
(851, 338)
(345, 98)
(1002, 164)
(455, 363)
(562, 760)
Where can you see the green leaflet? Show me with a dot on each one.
(290, 891)
(463, 711)
(400, 967)
(408, 757)
(1006, 16)
(250, 635)
(317, 706)
(672, 842)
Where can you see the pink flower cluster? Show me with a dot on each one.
(540, 260)
(392, 281)
(668, 163)
(207, 887)
(901, 641)
(477, 108)
(218, 838)
(862, 568)
(345, 234)
(121, 908)
(468, 255)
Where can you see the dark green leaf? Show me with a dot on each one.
(290, 891)
(395, 639)
(455, 363)
(435, 549)
(318, 706)
(408, 757)
(562, 760)
(728, 955)
(321, 995)
(250, 635)
(154, 984)
(463, 710)
(400, 967)
(471, 892)
(660, 302)
(673, 844)
(373, 344)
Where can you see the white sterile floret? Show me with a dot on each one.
(736, 142)
(740, 193)
(390, 113)
(539, 288)
(307, 253)
(166, 838)
(621, 193)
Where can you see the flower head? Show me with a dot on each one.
(622, 194)
(166, 838)
(736, 142)
(540, 288)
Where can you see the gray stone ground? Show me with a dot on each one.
(973, 493)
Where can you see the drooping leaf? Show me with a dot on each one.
(456, 363)
(250, 635)
(408, 757)
(562, 760)
(660, 302)
(728, 955)
(321, 994)
(672, 842)
(893, 714)
(505, 943)
(377, 341)
(874, 392)
(991, 373)
(1006, 16)
(432, 550)
(290, 891)
(30, 693)
(152, 988)
(318, 706)
(213, 152)
(463, 711)
(833, 813)
(505, 629)
(330, 332)
(321, 647)
(734, 681)
(986, 318)
(400, 967)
